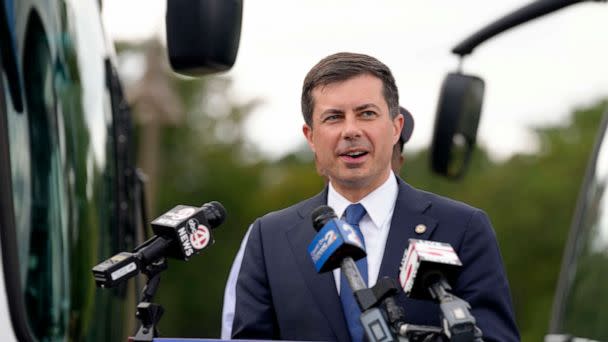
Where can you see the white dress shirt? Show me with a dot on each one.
(229, 304)
(375, 225)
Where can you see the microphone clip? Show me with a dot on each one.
(370, 297)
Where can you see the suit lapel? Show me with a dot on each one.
(322, 286)
(409, 213)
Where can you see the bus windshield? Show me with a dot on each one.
(582, 299)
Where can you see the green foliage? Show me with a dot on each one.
(202, 156)
(586, 316)
(530, 199)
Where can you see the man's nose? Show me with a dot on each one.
(352, 128)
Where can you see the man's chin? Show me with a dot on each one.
(352, 179)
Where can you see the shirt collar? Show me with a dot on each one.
(378, 204)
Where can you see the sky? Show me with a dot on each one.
(535, 74)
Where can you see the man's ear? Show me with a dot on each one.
(398, 123)
(307, 130)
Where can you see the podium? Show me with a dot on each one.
(169, 339)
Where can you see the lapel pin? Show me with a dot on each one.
(420, 229)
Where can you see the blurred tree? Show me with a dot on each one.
(530, 200)
(201, 155)
(156, 105)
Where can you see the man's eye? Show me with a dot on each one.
(368, 114)
(330, 118)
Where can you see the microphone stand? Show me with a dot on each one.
(459, 324)
(376, 323)
(149, 313)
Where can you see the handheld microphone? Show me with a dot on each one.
(338, 245)
(335, 242)
(181, 232)
(422, 262)
(425, 270)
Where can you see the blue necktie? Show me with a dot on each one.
(352, 313)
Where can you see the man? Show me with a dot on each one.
(352, 122)
(397, 160)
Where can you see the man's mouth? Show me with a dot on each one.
(354, 155)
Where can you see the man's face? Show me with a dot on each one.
(352, 134)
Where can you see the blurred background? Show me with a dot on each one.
(236, 138)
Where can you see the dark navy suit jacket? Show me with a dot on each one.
(279, 295)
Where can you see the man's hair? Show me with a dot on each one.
(342, 66)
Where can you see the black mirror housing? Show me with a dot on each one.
(203, 35)
(456, 123)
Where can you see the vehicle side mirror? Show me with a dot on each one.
(458, 113)
(203, 35)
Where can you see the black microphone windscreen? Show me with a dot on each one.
(214, 213)
(321, 215)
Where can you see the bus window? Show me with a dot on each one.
(45, 266)
(582, 301)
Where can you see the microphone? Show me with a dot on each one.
(425, 270)
(423, 261)
(337, 245)
(180, 233)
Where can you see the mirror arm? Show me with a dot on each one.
(515, 18)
